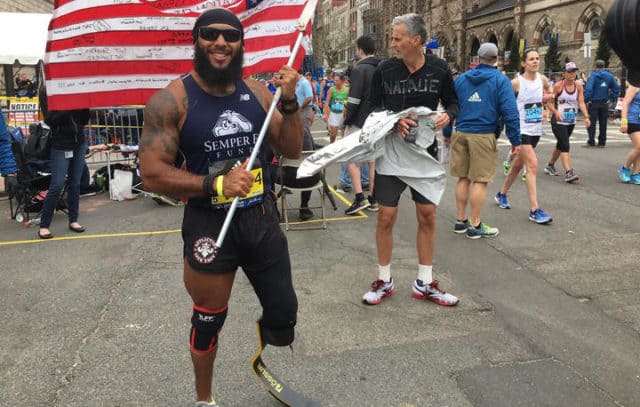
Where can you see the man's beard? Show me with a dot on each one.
(214, 76)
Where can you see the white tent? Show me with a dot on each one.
(24, 37)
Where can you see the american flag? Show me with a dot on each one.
(103, 53)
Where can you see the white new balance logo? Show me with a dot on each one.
(474, 98)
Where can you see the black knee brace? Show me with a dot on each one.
(205, 326)
(277, 336)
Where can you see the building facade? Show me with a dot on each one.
(460, 26)
(26, 6)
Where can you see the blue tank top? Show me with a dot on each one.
(633, 113)
(220, 131)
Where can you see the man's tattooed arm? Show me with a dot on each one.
(159, 146)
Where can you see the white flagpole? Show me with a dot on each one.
(306, 15)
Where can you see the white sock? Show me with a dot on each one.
(384, 273)
(425, 273)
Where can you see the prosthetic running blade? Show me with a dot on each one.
(276, 387)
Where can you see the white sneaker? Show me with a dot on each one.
(432, 293)
(379, 290)
(211, 403)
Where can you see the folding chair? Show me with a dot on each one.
(289, 185)
(29, 189)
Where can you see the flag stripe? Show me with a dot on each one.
(100, 99)
(253, 62)
(123, 52)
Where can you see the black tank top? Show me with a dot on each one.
(220, 131)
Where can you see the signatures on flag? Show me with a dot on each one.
(122, 54)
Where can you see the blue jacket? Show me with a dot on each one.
(485, 96)
(598, 86)
(7, 162)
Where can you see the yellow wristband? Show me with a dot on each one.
(623, 121)
(219, 189)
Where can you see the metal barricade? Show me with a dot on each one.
(122, 125)
(117, 127)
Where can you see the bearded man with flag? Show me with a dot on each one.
(212, 116)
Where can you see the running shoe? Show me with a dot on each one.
(550, 170)
(506, 166)
(570, 176)
(379, 291)
(635, 179)
(539, 216)
(432, 292)
(483, 230)
(357, 206)
(624, 174)
(502, 201)
(211, 403)
(373, 204)
(461, 226)
(524, 177)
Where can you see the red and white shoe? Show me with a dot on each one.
(433, 293)
(379, 290)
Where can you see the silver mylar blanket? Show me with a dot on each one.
(393, 155)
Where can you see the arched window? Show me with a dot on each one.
(546, 34)
(595, 27)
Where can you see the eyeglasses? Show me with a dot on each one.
(212, 34)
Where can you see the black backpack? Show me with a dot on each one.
(38, 143)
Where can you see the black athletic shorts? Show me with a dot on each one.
(254, 239)
(632, 128)
(562, 133)
(388, 189)
(532, 140)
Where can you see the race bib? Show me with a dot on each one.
(337, 107)
(255, 194)
(533, 112)
(569, 115)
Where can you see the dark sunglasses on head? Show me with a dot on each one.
(212, 34)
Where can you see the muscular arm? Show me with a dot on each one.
(159, 145)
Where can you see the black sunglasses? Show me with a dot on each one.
(212, 34)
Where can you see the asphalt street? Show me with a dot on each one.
(549, 315)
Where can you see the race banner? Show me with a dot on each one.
(114, 52)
